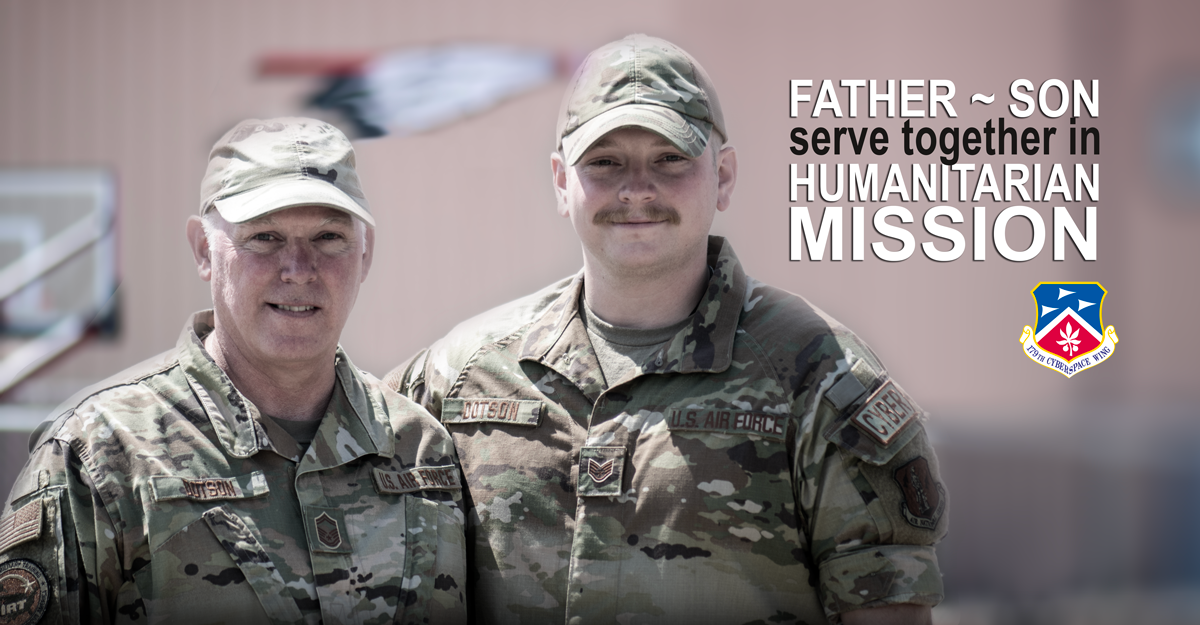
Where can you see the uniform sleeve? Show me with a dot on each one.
(869, 491)
(60, 540)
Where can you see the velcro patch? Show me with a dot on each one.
(22, 525)
(420, 478)
(168, 487)
(924, 498)
(726, 421)
(600, 471)
(327, 530)
(24, 592)
(485, 410)
(851, 386)
(885, 413)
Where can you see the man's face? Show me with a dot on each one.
(640, 206)
(284, 284)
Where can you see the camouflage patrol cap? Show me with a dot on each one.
(265, 165)
(639, 81)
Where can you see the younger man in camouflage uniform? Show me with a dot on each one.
(252, 474)
(662, 438)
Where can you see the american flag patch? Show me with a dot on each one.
(22, 525)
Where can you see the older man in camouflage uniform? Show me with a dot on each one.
(252, 474)
(662, 438)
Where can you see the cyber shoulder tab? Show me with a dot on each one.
(876, 416)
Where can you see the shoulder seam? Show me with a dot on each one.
(58, 419)
(497, 344)
(759, 353)
(126, 382)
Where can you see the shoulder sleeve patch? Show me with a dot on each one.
(24, 592)
(924, 498)
(22, 525)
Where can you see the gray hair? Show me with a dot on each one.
(209, 222)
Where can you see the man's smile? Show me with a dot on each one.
(302, 309)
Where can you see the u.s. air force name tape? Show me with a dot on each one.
(419, 478)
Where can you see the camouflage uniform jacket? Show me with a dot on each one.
(723, 481)
(165, 496)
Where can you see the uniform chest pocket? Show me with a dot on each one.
(729, 455)
(175, 502)
(200, 548)
(424, 549)
(217, 555)
(523, 412)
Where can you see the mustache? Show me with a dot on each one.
(623, 214)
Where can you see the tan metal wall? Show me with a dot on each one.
(466, 216)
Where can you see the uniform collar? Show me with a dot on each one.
(353, 431)
(558, 339)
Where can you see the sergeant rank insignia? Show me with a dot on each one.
(327, 531)
(1069, 335)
